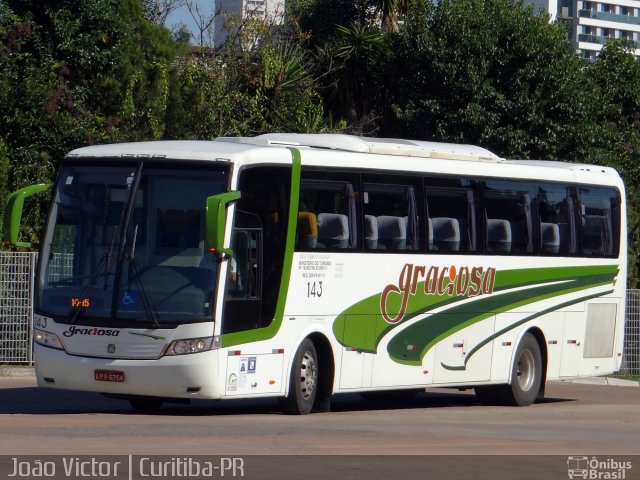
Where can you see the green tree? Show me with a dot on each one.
(77, 72)
(349, 66)
(319, 19)
(390, 10)
(616, 75)
(4, 176)
(489, 72)
(257, 82)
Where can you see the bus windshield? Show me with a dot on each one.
(125, 245)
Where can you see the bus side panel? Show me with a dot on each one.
(387, 373)
(250, 374)
(599, 351)
(572, 341)
(457, 359)
(357, 365)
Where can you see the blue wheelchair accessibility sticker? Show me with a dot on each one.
(129, 298)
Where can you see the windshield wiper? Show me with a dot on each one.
(125, 217)
(133, 270)
(123, 240)
(105, 263)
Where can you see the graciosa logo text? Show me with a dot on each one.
(103, 332)
(443, 281)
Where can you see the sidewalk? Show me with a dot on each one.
(16, 371)
(611, 381)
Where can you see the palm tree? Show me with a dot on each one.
(390, 10)
(350, 59)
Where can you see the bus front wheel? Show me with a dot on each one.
(303, 383)
(526, 374)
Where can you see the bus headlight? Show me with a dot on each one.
(191, 345)
(47, 339)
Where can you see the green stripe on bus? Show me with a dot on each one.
(427, 332)
(361, 326)
(270, 331)
(517, 324)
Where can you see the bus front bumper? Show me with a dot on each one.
(180, 376)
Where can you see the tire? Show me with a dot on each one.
(526, 374)
(146, 406)
(303, 383)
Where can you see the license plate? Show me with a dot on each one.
(109, 376)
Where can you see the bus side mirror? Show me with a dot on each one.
(216, 219)
(13, 214)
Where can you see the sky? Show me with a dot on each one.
(182, 14)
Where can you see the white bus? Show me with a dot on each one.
(302, 266)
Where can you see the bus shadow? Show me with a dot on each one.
(555, 400)
(350, 402)
(43, 401)
(429, 399)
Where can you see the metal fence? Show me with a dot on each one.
(16, 311)
(16, 307)
(631, 355)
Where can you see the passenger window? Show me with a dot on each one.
(508, 217)
(391, 217)
(557, 225)
(599, 213)
(327, 212)
(451, 215)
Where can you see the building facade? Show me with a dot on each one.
(594, 22)
(271, 11)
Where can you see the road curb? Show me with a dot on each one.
(609, 381)
(16, 372)
(619, 382)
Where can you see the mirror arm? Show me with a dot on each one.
(216, 219)
(13, 214)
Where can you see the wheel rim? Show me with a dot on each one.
(308, 375)
(526, 371)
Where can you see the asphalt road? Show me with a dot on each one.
(574, 419)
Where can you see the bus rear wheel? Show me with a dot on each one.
(526, 374)
(303, 383)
